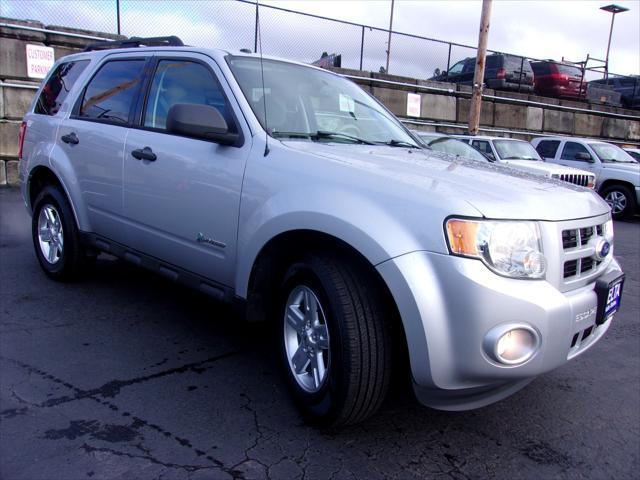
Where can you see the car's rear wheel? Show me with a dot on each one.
(55, 236)
(621, 200)
(335, 339)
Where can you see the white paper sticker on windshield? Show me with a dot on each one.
(347, 104)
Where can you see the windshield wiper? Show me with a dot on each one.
(326, 134)
(400, 143)
(315, 136)
(277, 134)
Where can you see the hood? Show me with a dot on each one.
(629, 168)
(496, 191)
(547, 169)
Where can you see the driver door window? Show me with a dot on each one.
(456, 69)
(571, 149)
(484, 147)
(182, 81)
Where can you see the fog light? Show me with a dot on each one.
(512, 344)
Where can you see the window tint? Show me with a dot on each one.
(541, 68)
(493, 61)
(178, 81)
(548, 148)
(58, 87)
(112, 90)
(571, 149)
(457, 68)
(569, 70)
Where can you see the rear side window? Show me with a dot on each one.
(569, 70)
(58, 87)
(541, 68)
(548, 148)
(111, 92)
(180, 81)
(571, 149)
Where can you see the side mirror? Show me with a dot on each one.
(200, 121)
(583, 156)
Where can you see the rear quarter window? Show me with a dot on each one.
(58, 86)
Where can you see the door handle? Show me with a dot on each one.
(144, 154)
(70, 138)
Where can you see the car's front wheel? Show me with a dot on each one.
(621, 200)
(335, 339)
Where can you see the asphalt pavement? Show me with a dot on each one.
(125, 375)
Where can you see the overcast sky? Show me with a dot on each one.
(539, 29)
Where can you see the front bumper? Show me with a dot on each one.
(448, 305)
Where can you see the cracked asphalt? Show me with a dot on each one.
(125, 375)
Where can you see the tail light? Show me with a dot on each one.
(501, 74)
(560, 76)
(21, 135)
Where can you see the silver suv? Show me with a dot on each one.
(290, 191)
(618, 174)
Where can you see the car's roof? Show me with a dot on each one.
(573, 139)
(489, 137)
(215, 53)
(429, 134)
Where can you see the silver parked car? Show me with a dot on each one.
(521, 155)
(618, 174)
(290, 191)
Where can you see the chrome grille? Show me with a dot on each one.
(570, 249)
(582, 180)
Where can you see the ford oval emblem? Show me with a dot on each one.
(603, 249)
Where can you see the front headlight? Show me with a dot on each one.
(509, 248)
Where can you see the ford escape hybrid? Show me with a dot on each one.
(301, 198)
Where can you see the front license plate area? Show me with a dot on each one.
(609, 294)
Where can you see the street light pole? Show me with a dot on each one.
(613, 9)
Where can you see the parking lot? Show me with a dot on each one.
(126, 375)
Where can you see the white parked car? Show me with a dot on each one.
(617, 172)
(522, 156)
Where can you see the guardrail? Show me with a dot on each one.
(495, 98)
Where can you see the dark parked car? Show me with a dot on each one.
(502, 72)
(559, 80)
(628, 87)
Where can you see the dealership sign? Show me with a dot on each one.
(39, 60)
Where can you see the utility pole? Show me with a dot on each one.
(478, 77)
(389, 40)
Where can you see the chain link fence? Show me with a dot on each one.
(232, 25)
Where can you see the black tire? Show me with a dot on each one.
(356, 315)
(629, 200)
(73, 259)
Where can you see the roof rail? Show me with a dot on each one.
(135, 42)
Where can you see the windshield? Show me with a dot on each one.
(516, 150)
(456, 147)
(611, 153)
(303, 103)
